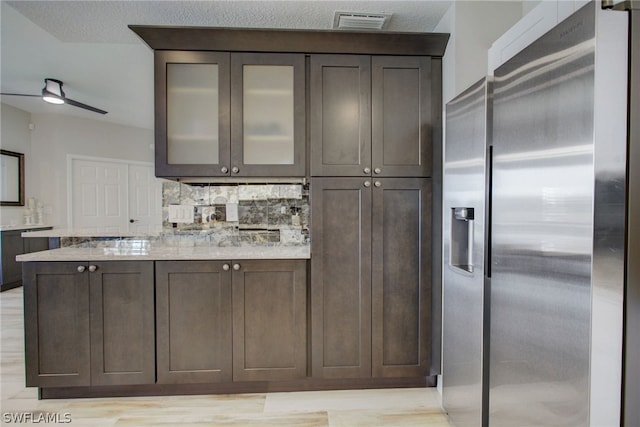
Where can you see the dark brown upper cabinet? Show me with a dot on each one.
(340, 117)
(229, 114)
(375, 97)
(192, 110)
(267, 114)
(372, 115)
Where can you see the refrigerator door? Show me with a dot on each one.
(463, 236)
(542, 220)
(632, 296)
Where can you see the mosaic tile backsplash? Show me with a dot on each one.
(235, 214)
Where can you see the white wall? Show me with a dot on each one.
(15, 136)
(529, 5)
(448, 25)
(56, 136)
(474, 26)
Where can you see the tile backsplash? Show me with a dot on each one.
(235, 214)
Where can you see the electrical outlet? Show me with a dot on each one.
(181, 214)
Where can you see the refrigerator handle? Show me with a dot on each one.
(488, 210)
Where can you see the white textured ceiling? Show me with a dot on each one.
(88, 45)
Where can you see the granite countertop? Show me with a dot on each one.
(64, 232)
(143, 250)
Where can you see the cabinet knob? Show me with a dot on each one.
(225, 267)
(367, 170)
(377, 183)
(81, 269)
(236, 267)
(224, 169)
(377, 170)
(367, 184)
(235, 169)
(92, 268)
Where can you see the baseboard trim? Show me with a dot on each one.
(307, 384)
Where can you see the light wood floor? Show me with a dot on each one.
(390, 407)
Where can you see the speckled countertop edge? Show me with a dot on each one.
(160, 252)
(63, 232)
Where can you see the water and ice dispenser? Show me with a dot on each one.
(461, 241)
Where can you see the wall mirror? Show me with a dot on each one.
(11, 178)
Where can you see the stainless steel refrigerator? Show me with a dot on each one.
(465, 233)
(535, 233)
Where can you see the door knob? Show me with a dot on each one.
(92, 268)
(377, 170)
(367, 170)
(224, 169)
(377, 183)
(235, 169)
(236, 267)
(81, 269)
(225, 267)
(367, 184)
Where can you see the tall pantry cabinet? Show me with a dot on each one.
(371, 120)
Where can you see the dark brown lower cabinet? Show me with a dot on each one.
(56, 311)
(370, 277)
(193, 321)
(13, 244)
(401, 277)
(89, 323)
(223, 321)
(341, 278)
(121, 301)
(269, 320)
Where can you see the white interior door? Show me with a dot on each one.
(145, 200)
(114, 197)
(99, 196)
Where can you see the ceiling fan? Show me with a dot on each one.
(52, 92)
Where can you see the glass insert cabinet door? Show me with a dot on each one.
(192, 113)
(267, 114)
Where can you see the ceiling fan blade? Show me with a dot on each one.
(85, 106)
(19, 94)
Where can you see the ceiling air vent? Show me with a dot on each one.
(360, 20)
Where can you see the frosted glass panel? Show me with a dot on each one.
(268, 114)
(192, 114)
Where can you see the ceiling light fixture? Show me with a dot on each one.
(52, 91)
(360, 20)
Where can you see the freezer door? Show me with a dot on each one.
(632, 296)
(463, 272)
(542, 221)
